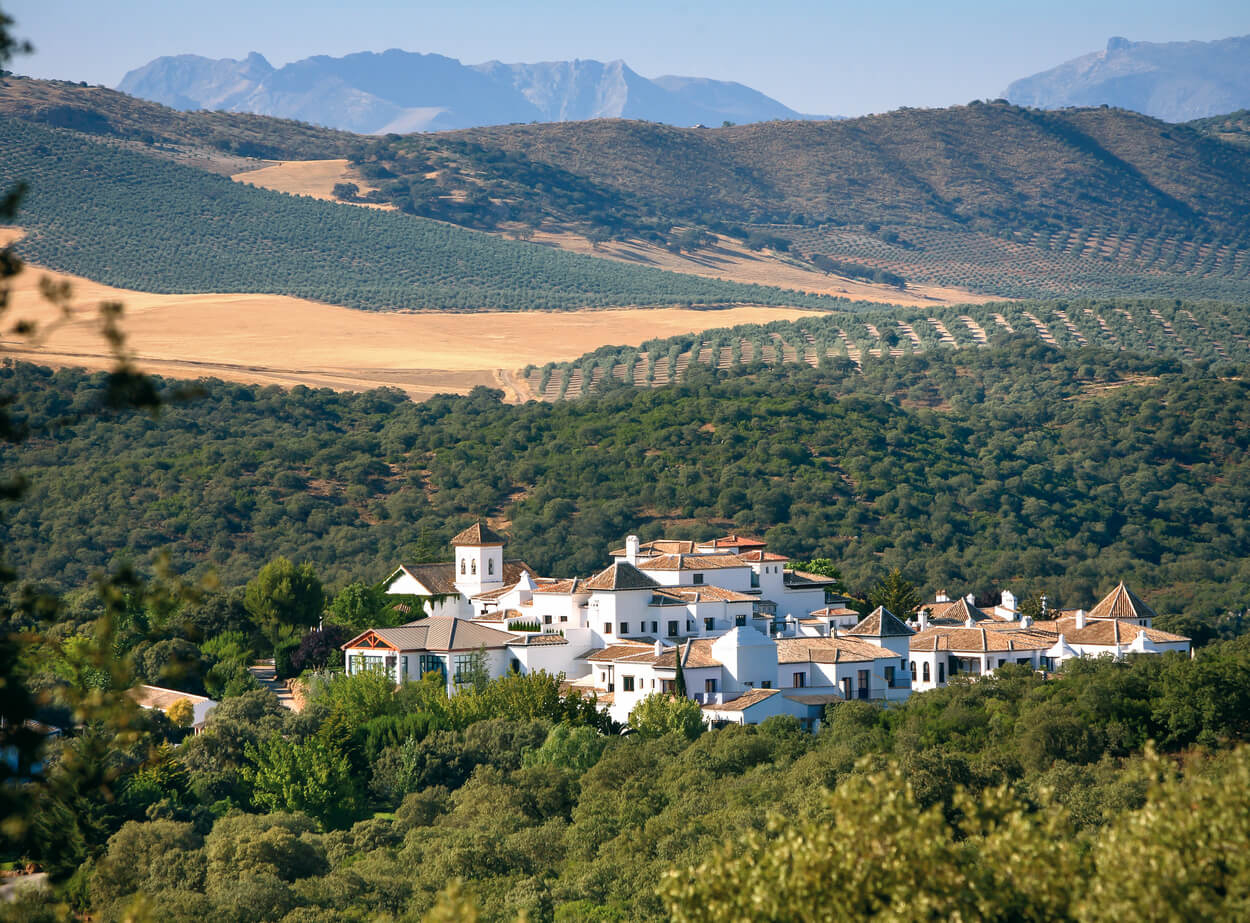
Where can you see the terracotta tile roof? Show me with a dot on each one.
(621, 577)
(544, 640)
(562, 587)
(955, 613)
(477, 534)
(830, 650)
(1110, 632)
(1121, 603)
(614, 651)
(440, 578)
(496, 593)
(817, 698)
(749, 698)
(982, 640)
(684, 562)
(733, 540)
(759, 557)
(801, 580)
(881, 623)
(707, 593)
(660, 546)
(437, 633)
(834, 611)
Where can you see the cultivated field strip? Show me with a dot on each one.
(1204, 331)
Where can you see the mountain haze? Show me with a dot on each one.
(400, 91)
(1173, 81)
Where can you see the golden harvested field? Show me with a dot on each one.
(314, 178)
(275, 339)
(731, 261)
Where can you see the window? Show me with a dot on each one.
(464, 666)
(655, 628)
(564, 618)
(767, 684)
(913, 671)
(926, 672)
(490, 566)
(607, 628)
(462, 567)
(709, 624)
(428, 663)
(709, 685)
(698, 579)
(889, 677)
(668, 686)
(1024, 661)
(546, 620)
(941, 672)
(864, 688)
(740, 620)
(800, 680)
(846, 689)
(902, 664)
(755, 579)
(473, 567)
(672, 629)
(624, 628)
(627, 684)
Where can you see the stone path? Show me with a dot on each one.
(264, 672)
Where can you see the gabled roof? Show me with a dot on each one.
(830, 650)
(881, 623)
(684, 562)
(436, 633)
(571, 585)
(478, 534)
(1121, 603)
(621, 577)
(616, 651)
(954, 613)
(747, 700)
(842, 611)
(440, 579)
(981, 640)
(1110, 632)
(705, 592)
(162, 698)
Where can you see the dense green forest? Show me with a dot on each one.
(1016, 466)
(1011, 798)
(133, 220)
(1212, 332)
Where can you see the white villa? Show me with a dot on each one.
(754, 638)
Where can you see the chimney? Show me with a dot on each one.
(971, 599)
(924, 620)
(1026, 621)
(631, 549)
(659, 648)
(1043, 602)
(1080, 618)
(941, 597)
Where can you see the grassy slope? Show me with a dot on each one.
(141, 222)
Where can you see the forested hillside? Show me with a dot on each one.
(143, 222)
(1017, 466)
(992, 197)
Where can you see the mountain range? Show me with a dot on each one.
(400, 91)
(1172, 81)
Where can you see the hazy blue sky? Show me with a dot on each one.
(833, 57)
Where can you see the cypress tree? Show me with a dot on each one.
(679, 681)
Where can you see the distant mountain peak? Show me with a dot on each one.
(1173, 81)
(397, 90)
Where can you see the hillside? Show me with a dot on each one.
(1233, 127)
(1023, 466)
(1215, 333)
(400, 91)
(1173, 81)
(127, 219)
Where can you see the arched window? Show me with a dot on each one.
(473, 567)
(926, 672)
(913, 671)
(462, 567)
(490, 566)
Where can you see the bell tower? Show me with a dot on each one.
(478, 560)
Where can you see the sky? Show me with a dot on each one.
(829, 58)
